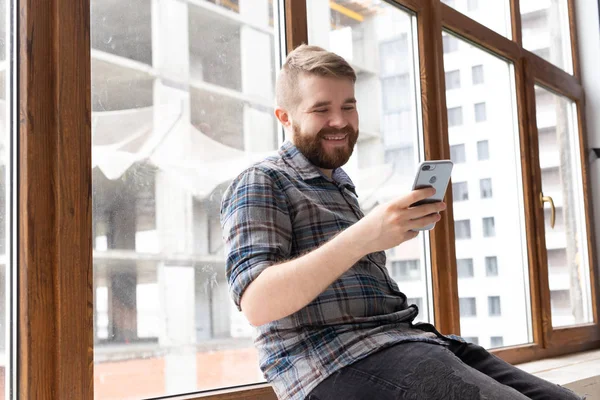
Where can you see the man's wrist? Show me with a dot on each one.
(354, 242)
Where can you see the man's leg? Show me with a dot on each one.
(415, 371)
(529, 385)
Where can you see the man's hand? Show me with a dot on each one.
(391, 224)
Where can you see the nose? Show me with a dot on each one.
(338, 120)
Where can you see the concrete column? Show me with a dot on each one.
(256, 55)
(174, 210)
(122, 279)
(176, 290)
(122, 323)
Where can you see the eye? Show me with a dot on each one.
(348, 108)
(321, 111)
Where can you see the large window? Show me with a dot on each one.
(546, 31)
(379, 41)
(176, 98)
(181, 100)
(494, 226)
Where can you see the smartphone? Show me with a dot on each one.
(433, 173)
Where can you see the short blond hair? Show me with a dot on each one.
(312, 60)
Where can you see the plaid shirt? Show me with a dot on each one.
(284, 207)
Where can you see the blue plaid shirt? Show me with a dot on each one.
(284, 207)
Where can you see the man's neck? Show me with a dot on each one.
(327, 172)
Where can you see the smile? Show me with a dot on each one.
(340, 137)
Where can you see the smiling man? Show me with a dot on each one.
(307, 267)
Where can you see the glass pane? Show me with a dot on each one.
(495, 14)
(379, 42)
(489, 222)
(7, 139)
(545, 25)
(566, 243)
(183, 96)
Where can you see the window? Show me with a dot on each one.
(216, 83)
(467, 306)
(406, 270)
(465, 267)
(491, 100)
(462, 229)
(480, 112)
(455, 116)
(562, 177)
(472, 5)
(485, 188)
(491, 266)
(483, 151)
(450, 43)
(453, 80)
(496, 341)
(489, 227)
(540, 23)
(471, 339)
(460, 191)
(477, 74)
(165, 74)
(494, 306)
(457, 153)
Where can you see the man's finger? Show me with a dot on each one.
(415, 196)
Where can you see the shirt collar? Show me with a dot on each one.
(308, 171)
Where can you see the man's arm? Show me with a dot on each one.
(282, 289)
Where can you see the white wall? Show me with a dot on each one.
(588, 34)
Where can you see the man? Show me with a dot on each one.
(307, 268)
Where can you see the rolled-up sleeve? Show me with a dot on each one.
(257, 230)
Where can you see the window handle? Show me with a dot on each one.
(548, 199)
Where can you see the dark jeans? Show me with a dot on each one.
(425, 371)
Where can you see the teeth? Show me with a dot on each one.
(335, 137)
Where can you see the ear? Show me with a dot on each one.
(284, 117)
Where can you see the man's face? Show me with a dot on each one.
(325, 123)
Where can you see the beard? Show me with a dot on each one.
(311, 146)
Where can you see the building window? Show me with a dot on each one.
(464, 267)
(460, 191)
(483, 150)
(418, 301)
(477, 74)
(406, 270)
(489, 227)
(472, 339)
(494, 306)
(472, 5)
(458, 154)
(462, 229)
(491, 266)
(394, 91)
(485, 188)
(496, 341)
(480, 112)
(455, 116)
(450, 43)
(467, 306)
(453, 80)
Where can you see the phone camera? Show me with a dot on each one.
(426, 168)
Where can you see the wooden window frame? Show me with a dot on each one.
(55, 287)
